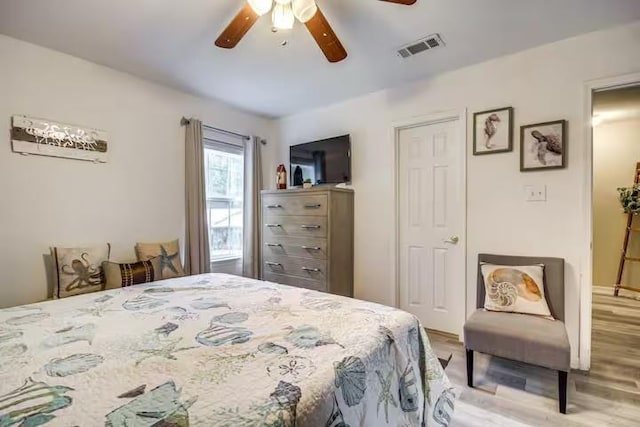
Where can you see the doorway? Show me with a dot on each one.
(615, 317)
(431, 215)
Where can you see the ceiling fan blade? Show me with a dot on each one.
(327, 40)
(238, 27)
(405, 2)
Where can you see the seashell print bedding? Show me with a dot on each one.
(217, 350)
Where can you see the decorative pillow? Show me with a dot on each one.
(127, 274)
(515, 289)
(169, 253)
(79, 270)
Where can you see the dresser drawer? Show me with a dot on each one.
(305, 268)
(296, 246)
(298, 282)
(307, 205)
(301, 226)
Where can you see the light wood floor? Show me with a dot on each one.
(513, 394)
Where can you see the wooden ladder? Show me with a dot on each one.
(625, 246)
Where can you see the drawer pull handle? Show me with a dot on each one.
(311, 270)
(273, 225)
(274, 245)
(311, 248)
(274, 206)
(273, 264)
(313, 206)
(310, 227)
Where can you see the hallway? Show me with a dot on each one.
(615, 349)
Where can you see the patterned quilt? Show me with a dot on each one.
(217, 350)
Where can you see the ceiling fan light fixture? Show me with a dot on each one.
(283, 17)
(261, 7)
(304, 10)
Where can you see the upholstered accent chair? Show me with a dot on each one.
(522, 337)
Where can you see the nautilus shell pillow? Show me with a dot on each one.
(79, 270)
(169, 254)
(515, 289)
(131, 273)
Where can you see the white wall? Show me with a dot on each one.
(137, 196)
(542, 84)
(233, 266)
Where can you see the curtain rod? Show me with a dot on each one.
(184, 121)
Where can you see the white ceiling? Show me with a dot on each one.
(171, 42)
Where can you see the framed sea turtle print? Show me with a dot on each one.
(543, 146)
(493, 131)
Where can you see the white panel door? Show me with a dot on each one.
(431, 215)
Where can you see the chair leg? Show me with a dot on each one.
(470, 368)
(562, 391)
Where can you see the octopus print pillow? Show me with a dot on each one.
(79, 270)
(515, 289)
(169, 254)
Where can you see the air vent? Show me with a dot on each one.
(428, 43)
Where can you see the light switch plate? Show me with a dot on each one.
(535, 193)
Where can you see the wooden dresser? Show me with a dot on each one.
(307, 238)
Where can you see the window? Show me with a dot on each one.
(224, 175)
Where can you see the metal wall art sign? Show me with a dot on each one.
(47, 138)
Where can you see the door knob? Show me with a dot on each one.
(453, 240)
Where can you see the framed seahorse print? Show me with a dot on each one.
(493, 131)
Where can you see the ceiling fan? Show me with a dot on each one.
(284, 14)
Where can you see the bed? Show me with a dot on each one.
(217, 350)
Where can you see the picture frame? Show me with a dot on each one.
(493, 131)
(543, 146)
(33, 136)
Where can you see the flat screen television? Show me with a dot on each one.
(327, 161)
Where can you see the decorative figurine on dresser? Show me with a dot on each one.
(281, 178)
(307, 238)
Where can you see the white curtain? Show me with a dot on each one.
(196, 256)
(252, 187)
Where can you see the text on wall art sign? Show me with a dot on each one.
(47, 138)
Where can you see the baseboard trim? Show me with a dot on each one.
(445, 335)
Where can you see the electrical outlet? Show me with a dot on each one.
(535, 193)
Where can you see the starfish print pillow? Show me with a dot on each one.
(169, 255)
(79, 270)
